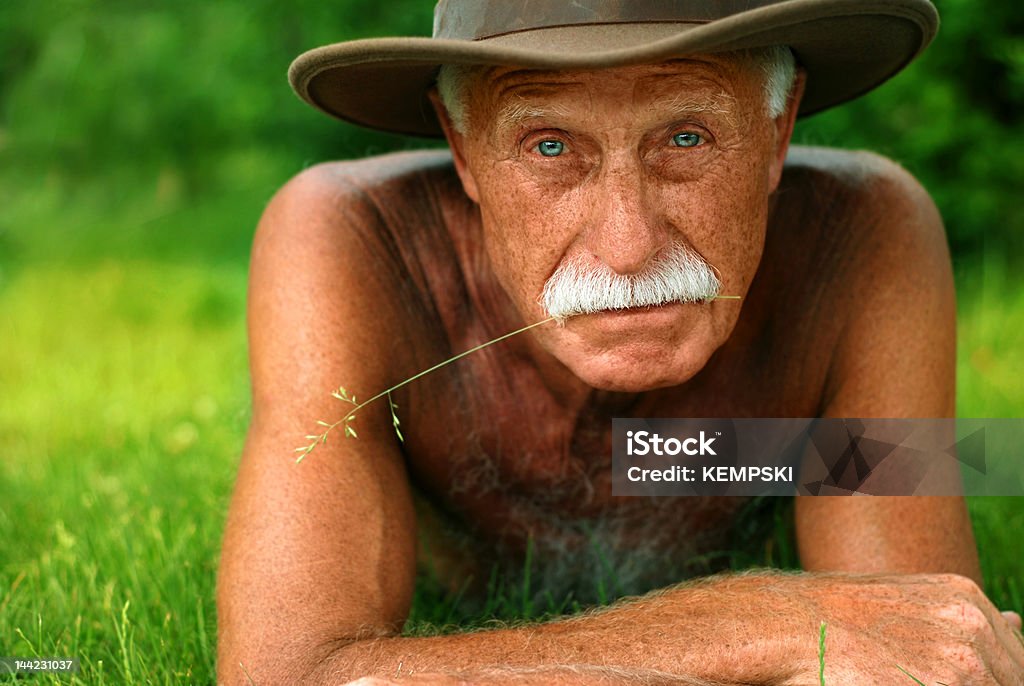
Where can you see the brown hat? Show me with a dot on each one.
(847, 47)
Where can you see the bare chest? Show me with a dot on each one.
(507, 468)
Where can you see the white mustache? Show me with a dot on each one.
(677, 274)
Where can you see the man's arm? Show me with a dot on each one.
(759, 628)
(897, 358)
(323, 552)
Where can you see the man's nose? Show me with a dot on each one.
(624, 230)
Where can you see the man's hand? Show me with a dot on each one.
(938, 628)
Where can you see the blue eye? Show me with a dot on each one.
(550, 148)
(686, 140)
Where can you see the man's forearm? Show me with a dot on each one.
(715, 631)
(566, 675)
(758, 628)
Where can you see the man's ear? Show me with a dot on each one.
(784, 124)
(457, 142)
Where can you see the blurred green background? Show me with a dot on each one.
(139, 143)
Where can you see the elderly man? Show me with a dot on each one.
(617, 166)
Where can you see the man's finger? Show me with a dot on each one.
(1009, 661)
(1005, 655)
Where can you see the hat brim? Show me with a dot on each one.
(848, 47)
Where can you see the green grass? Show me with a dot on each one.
(123, 405)
(990, 370)
(125, 398)
(991, 337)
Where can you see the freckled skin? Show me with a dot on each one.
(365, 273)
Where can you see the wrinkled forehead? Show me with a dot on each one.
(719, 81)
(722, 67)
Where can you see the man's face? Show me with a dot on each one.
(610, 170)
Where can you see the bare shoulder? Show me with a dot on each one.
(334, 280)
(345, 193)
(865, 214)
(888, 277)
(865, 185)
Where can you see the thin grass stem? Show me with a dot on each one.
(439, 365)
(821, 653)
(916, 680)
(322, 437)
